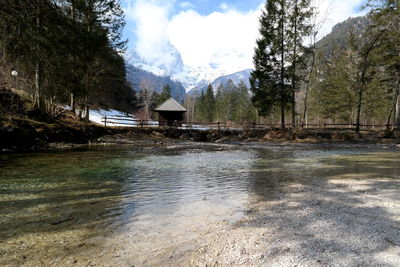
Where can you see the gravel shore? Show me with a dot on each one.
(333, 222)
(338, 222)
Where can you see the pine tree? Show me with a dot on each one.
(283, 24)
(66, 48)
(385, 16)
(268, 78)
(209, 104)
(103, 21)
(336, 95)
(165, 94)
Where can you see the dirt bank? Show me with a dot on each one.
(23, 128)
(267, 135)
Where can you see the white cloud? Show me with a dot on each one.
(216, 37)
(223, 41)
(151, 26)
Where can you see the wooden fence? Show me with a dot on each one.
(118, 120)
(132, 122)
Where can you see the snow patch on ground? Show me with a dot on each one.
(97, 116)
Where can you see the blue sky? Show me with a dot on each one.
(206, 7)
(208, 32)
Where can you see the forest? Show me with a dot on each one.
(70, 52)
(65, 52)
(354, 82)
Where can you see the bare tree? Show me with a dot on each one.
(190, 103)
(146, 97)
(318, 19)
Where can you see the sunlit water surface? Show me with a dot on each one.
(162, 196)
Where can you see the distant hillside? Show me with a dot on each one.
(235, 77)
(340, 33)
(137, 76)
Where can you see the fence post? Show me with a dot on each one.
(105, 121)
(219, 128)
(141, 123)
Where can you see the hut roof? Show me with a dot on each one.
(170, 105)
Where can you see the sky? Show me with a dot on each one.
(207, 32)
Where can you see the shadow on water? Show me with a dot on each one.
(59, 192)
(323, 204)
(74, 197)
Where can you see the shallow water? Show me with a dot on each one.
(73, 197)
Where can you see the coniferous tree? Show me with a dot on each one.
(277, 54)
(268, 78)
(164, 95)
(385, 16)
(209, 104)
(65, 48)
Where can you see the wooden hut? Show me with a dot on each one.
(170, 113)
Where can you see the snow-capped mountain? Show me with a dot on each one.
(171, 65)
(236, 78)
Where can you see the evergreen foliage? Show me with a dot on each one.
(355, 79)
(164, 95)
(67, 52)
(278, 54)
(231, 104)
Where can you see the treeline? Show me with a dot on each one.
(65, 52)
(357, 82)
(230, 104)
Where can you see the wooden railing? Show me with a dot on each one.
(131, 121)
(126, 120)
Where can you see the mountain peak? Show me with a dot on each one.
(236, 78)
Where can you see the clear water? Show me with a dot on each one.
(159, 197)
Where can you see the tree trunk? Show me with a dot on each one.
(73, 109)
(37, 95)
(87, 109)
(282, 81)
(308, 87)
(389, 118)
(294, 67)
(360, 97)
(397, 103)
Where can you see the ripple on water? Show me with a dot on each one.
(159, 197)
